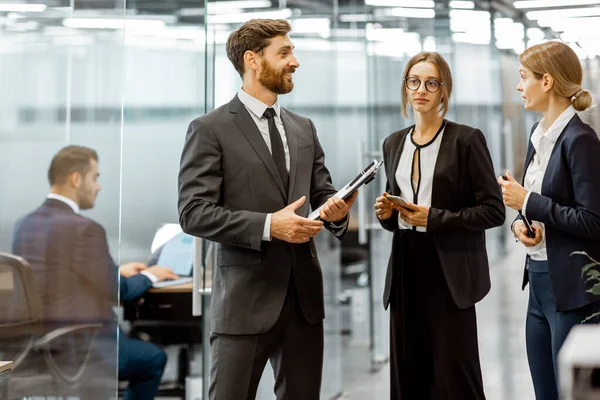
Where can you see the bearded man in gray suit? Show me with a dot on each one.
(249, 171)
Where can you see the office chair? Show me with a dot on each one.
(23, 334)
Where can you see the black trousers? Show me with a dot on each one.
(434, 351)
(294, 348)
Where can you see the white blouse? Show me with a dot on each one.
(418, 192)
(543, 141)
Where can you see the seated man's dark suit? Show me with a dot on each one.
(77, 280)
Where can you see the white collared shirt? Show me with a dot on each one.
(256, 109)
(65, 200)
(150, 276)
(543, 141)
(428, 155)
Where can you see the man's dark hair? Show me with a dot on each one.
(70, 159)
(254, 35)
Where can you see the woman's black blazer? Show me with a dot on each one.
(466, 200)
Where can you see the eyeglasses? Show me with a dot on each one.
(431, 85)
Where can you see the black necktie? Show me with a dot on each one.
(277, 151)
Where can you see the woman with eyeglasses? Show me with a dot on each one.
(440, 198)
(560, 195)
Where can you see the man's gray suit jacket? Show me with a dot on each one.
(228, 183)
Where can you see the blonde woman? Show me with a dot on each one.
(438, 269)
(561, 196)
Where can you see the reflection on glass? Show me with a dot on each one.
(57, 286)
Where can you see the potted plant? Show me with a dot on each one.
(592, 271)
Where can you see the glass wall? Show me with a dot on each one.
(61, 85)
(125, 78)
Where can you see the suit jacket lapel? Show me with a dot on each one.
(530, 152)
(528, 158)
(291, 132)
(446, 152)
(248, 127)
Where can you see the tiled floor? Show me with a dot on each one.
(501, 322)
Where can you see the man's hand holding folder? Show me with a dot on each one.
(348, 191)
(335, 209)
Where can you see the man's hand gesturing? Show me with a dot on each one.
(286, 225)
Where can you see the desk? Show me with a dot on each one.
(165, 314)
(183, 288)
(5, 370)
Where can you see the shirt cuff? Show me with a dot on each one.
(338, 228)
(150, 276)
(524, 208)
(512, 227)
(267, 229)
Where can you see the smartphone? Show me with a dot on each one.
(397, 200)
(530, 231)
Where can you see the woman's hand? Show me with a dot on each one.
(520, 231)
(383, 207)
(414, 214)
(513, 194)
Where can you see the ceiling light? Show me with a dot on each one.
(566, 13)
(220, 7)
(319, 26)
(553, 3)
(356, 17)
(563, 24)
(460, 4)
(401, 3)
(470, 21)
(22, 7)
(408, 12)
(243, 17)
(113, 23)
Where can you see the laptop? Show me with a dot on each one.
(176, 253)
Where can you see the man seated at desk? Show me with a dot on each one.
(73, 269)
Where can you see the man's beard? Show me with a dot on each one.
(274, 80)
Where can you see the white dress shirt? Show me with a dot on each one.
(428, 155)
(256, 109)
(543, 140)
(65, 200)
(76, 210)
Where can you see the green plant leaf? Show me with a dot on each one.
(591, 317)
(587, 267)
(595, 290)
(592, 279)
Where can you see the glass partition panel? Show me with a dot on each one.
(163, 91)
(61, 79)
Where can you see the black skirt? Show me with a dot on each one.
(434, 351)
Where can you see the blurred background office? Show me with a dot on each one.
(125, 77)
